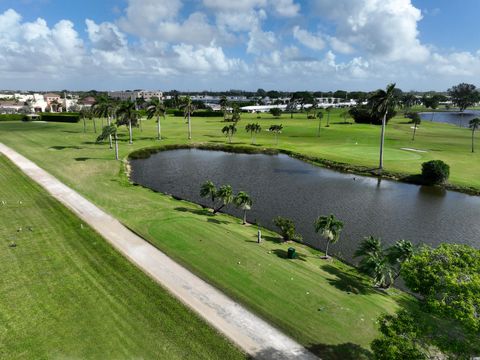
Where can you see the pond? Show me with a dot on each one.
(451, 117)
(280, 185)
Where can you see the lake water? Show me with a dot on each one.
(451, 117)
(280, 185)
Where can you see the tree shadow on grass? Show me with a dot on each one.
(216, 221)
(88, 158)
(281, 253)
(60, 147)
(204, 212)
(349, 282)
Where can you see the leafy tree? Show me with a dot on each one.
(108, 132)
(432, 102)
(464, 95)
(225, 195)
(224, 106)
(287, 228)
(346, 115)
(330, 228)
(253, 129)
(236, 117)
(208, 189)
(156, 108)
(243, 201)
(229, 131)
(188, 108)
(292, 107)
(448, 279)
(416, 120)
(435, 172)
(407, 101)
(320, 117)
(128, 116)
(383, 102)
(276, 129)
(474, 124)
(276, 112)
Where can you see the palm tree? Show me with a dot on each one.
(474, 125)
(416, 120)
(225, 195)
(399, 253)
(224, 106)
(253, 129)
(84, 114)
(384, 101)
(328, 110)
(229, 131)
(374, 263)
(127, 115)
(243, 201)
(319, 116)
(208, 189)
(235, 113)
(103, 108)
(156, 108)
(188, 108)
(330, 228)
(291, 106)
(276, 129)
(107, 132)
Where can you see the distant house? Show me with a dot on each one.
(53, 100)
(136, 94)
(87, 102)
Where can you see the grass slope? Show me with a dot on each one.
(65, 293)
(326, 306)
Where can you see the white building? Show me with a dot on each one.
(134, 95)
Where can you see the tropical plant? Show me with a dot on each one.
(276, 129)
(243, 201)
(188, 108)
(208, 189)
(253, 129)
(384, 101)
(156, 108)
(225, 195)
(435, 172)
(236, 114)
(287, 228)
(346, 115)
(108, 132)
(224, 107)
(320, 117)
(229, 131)
(330, 228)
(474, 124)
(415, 120)
(127, 115)
(103, 108)
(276, 112)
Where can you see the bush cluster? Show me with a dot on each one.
(206, 113)
(435, 172)
(11, 117)
(60, 117)
(363, 115)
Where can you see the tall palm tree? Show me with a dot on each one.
(225, 195)
(209, 189)
(236, 113)
(103, 108)
(416, 120)
(276, 129)
(253, 129)
(83, 115)
(229, 131)
(188, 108)
(224, 106)
(127, 115)
(244, 201)
(107, 132)
(330, 228)
(384, 101)
(328, 110)
(474, 124)
(320, 117)
(156, 108)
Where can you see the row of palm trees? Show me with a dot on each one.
(253, 129)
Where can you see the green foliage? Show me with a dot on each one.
(362, 114)
(225, 195)
(229, 131)
(276, 112)
(435, 172)
(60, 117)
(109, 130)
(448, 278)
(201, 113)
(209, 189)
(287, 228)
(11, 117)
(464, 95)
(330, 228)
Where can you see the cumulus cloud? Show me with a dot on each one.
(308, 39)
(286, 8)
(105, 36)
(261, 41)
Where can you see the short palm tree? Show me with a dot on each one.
(224, 106)
(276, 129)
(229, 131)
(374, 262)
(188, 108)
(225, 195)
(156, 108)
(474, 125)
(127, 115)
(328, 110)
(253, 129)
(330, 228)
(108, 132)
(384, 101)
(208, 189)
(416, 120)
(243, 201)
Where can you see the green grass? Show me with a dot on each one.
(326, 306)
(65, 293)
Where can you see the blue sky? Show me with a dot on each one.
(246, 44)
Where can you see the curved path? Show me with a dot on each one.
(249, 332)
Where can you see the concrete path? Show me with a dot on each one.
(249, 332)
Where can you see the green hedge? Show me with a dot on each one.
(60, 117)
(200, 113)
(11, 117)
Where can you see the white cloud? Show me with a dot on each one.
(286, 8)
(308, 39)
(261, 41)
(105, 36)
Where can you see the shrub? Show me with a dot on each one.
(363, 115)
(287, 228)
(11, 117)
(205, 113)
(435, 172)
(60, 117)
(276, 112)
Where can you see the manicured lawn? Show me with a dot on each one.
(65, 293)
(326, 306)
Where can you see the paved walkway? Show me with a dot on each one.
(249, 332)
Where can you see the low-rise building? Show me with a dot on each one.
(136, 94)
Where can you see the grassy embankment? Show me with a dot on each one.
(325, 305)
(65, 293)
